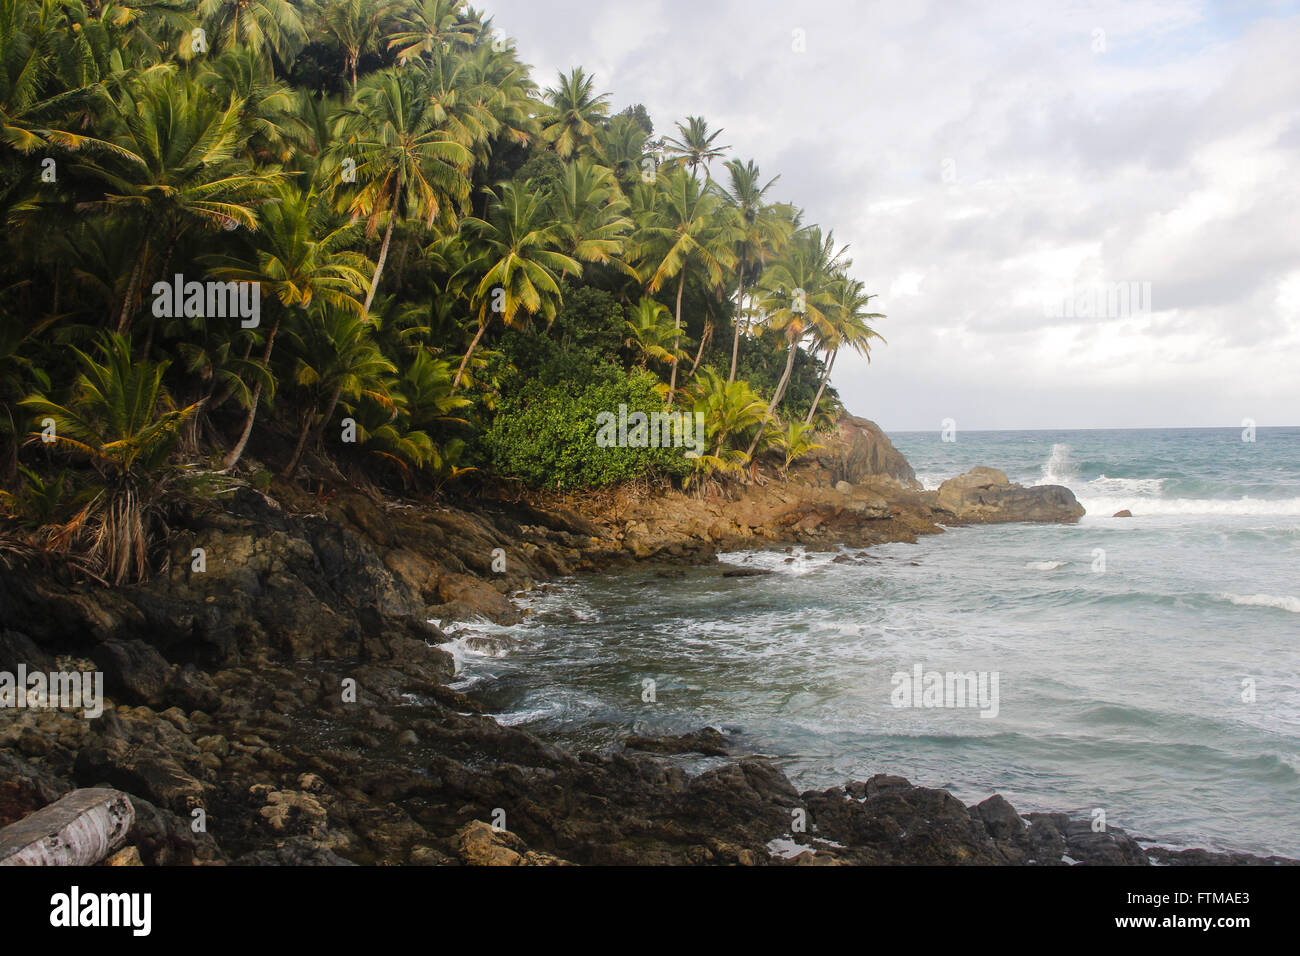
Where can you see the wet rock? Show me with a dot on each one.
(985, 496)
(1124, 513)
(707, 741)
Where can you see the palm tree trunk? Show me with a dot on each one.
(455, 383)
(704, 340)
(232, 459)
(735, 338)
(316, 432)
(672, 381)
(776, 397)
(383, 253)
(292, 468)
(124, 319)
(826, 377)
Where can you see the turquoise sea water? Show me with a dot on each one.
(1148, 667)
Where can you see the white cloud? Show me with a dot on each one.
(978, 156)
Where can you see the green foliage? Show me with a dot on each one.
(545, 436)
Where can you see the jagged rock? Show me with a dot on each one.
(706, 741)
(133, 670)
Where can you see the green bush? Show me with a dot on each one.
(545, 434)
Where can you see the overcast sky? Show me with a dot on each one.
(987, 161)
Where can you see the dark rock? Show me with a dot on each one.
(1125, 513)
(133, 670)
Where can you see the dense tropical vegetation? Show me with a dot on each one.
(457, 269)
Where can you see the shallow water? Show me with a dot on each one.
(1122, 648)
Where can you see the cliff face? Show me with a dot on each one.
(229, 694)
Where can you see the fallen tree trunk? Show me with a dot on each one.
(78, 829)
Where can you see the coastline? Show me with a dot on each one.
(227, 688)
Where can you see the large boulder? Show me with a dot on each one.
(986, 496)
(859, 449)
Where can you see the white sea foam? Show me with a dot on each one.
(1045, 565)
(1107, 505)
(1282, 601)
(1059, 467)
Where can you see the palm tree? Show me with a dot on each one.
(694, 146)
(409, 164)
(795, 441)
(517, 255)
(681, 233)
(177, 166)
(336, 357)
(355, 25)
(847, 326)
(571, 119)
(730, 408)
(622, 143)
(798, 293)
(591, 208)
(651, 333)
(122, 419)
(432, 26)
(762, 231)
(268, 27)
(299, 258)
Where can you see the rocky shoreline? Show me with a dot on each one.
(292, 696)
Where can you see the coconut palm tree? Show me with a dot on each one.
(571, 119)
(650, 332)
(518, 259)
(178, 166)
(271, 28)
(847, 326)
(762, 230)
(694, 146)
(409, 164)
(429, 27)
(300, 257)
(356, 26)
(591, 209)
(683, 232)
(798, 293)
(335, 358)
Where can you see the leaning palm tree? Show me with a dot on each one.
(518, 259)
(409, 164)
(762, 230)
(694, 146)
(798, 294)
(683, 232)
(570, 120)
(299, 257)
(847, 326)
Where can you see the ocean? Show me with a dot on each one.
(1143, 671)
